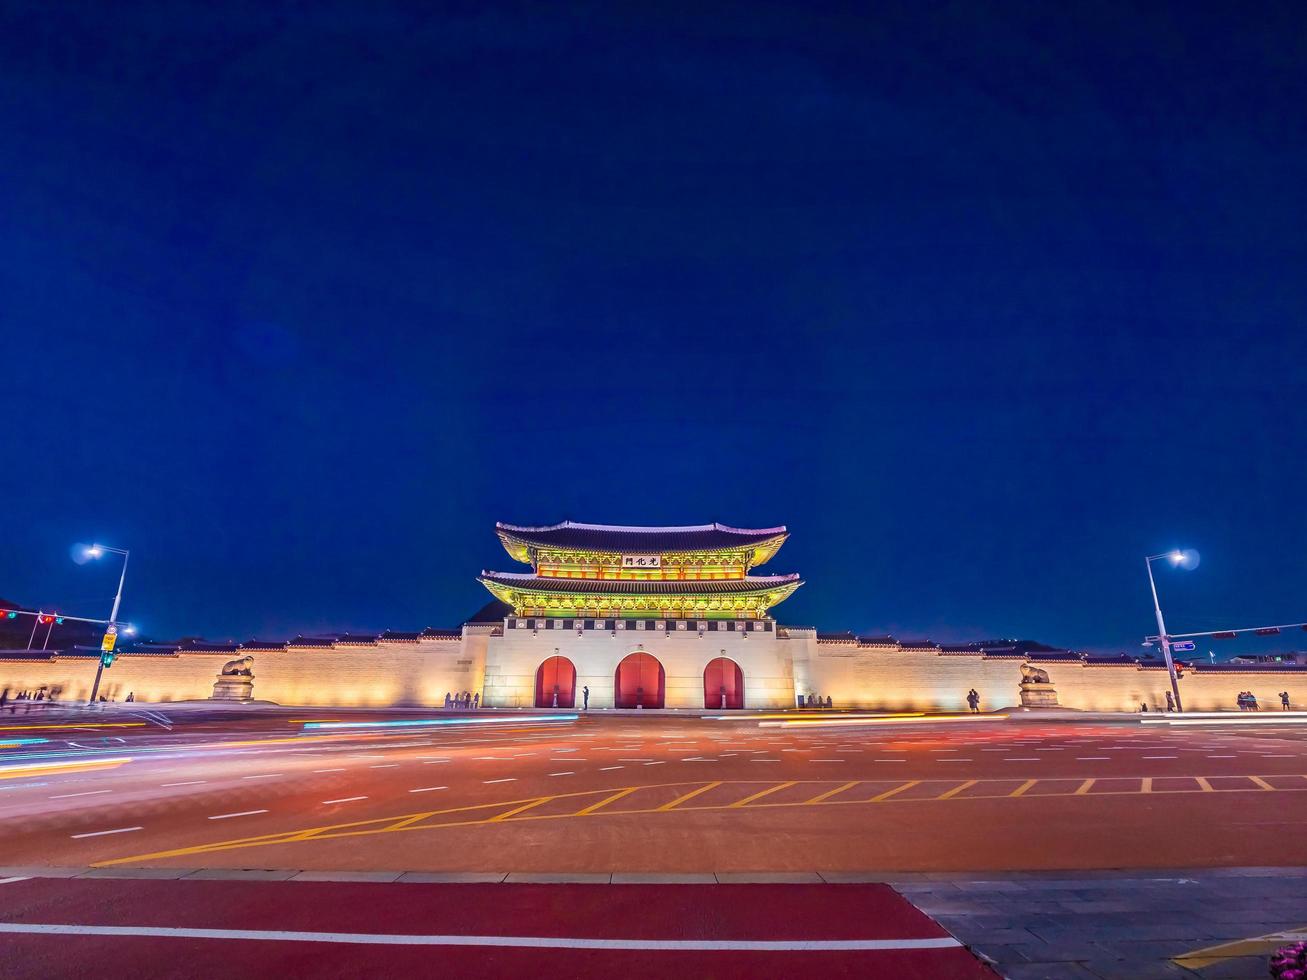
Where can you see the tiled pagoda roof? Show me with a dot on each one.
(615, 539)
(526, 582)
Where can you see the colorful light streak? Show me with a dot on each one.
(812, 715)
(909, 720)
(429, 722)
(1231, 718)
(11, 743)
(53, 768)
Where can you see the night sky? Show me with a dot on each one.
(985, 302)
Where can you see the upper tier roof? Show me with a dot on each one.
(615, 539)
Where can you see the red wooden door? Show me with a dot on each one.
(639, 682)
(723, 676)
(557, 674)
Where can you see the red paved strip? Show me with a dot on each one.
(638, 912)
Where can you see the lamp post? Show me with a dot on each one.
(97, 551)
(1175, 558)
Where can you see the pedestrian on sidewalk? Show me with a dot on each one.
(1170, 702)
(1284, 701)
(585, 698)
(973, 701)
(476, 700)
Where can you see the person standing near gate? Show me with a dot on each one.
(585, 698)
(1284, 700)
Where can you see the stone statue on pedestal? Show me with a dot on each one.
(235, 681)
(1036, 689)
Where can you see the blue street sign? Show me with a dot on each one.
(1183, 646)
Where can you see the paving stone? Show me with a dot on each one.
(558, 878)
(139, 873)
(452, 877)
(654, 878)
(382, 876)
(769, 877)
(1047, 971)
(240, 874)
(24, 871)
(1137, 970)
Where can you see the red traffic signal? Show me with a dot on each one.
(45, 619)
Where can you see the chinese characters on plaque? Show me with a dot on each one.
(642, 561)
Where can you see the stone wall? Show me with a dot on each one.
(889, 678)
(513, 659)
(388, 673)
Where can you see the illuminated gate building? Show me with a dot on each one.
(645, 617)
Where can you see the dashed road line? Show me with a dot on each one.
(343, 799)
(89, 792)
(243, 813)
(104, 833)
(427, 789)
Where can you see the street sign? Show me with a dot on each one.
(110, 637)
(1183, 646)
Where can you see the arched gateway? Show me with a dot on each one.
(723, 684)
(640, 682)
(556, 683)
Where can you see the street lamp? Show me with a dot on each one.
(1176, 558)
(97, 551)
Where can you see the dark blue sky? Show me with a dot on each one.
(984, 301)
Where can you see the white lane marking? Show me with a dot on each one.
(189, 782)
(610, 768)
(570, 758)
(511, 779)
(1033, 758)
(89, 792)
(845, 760)
(889, 760)
(101, 833)
(265, 775)
(343, 799)
(1220, 757)
(634, 760)
(10, 881)
(434, 762)
(243, 813)
(562, 774)
(328, 770)
(1093, 758)
(561, 751)
(428, 789)
(530, 942)
(757, 760)
(953, 760)
(1161, 757)
(655, 763)
(388, 765)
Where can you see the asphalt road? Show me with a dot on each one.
(654, 793)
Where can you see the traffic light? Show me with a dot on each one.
(106, 659)
(11, 614)
(45, 619)
(58, 620)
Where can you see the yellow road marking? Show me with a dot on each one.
(759, 795)
(1021, 790)
(608, 799)
(895, 791)
(1083, 788)
(1146, 784)
(831, 792)
(688, 796)
(411, 822)
(513, 812)
(1262, 783)
(949, 794)
(1252, 946)
(1206, 786)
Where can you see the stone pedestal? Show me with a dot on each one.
(233, 688)
(1038, 694)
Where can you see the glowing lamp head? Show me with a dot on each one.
(129, 630)
(1176, 557)
(94, 551)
